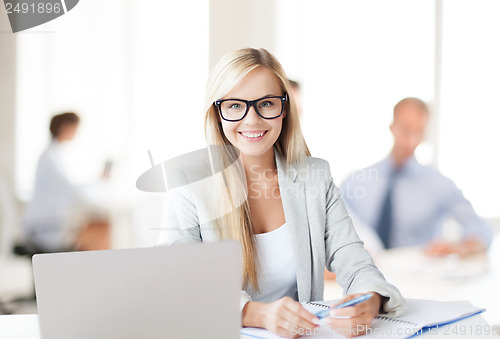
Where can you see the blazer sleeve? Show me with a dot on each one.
(181, 225)
(180, 219)
(345, 255)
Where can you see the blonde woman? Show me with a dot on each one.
(293, 222)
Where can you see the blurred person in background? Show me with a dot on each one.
(399, 202)
(295, 86)
(59, 217)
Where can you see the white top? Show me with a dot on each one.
(54, 214)
(277, 275)
(49, 211)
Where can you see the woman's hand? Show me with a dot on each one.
(354, 320)
(285, 317)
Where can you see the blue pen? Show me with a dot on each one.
(352, 302)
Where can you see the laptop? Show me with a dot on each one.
(179, 291)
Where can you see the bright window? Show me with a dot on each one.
(136, 74)
(470, 114)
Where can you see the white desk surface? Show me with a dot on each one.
(26, 327)
(23, 326)
(475, 279)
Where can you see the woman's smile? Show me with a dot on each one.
(253, 136)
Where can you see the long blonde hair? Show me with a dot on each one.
(230, 70)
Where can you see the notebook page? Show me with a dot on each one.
(432, 312)
(419, 314)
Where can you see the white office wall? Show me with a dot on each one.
(7, 132)
(7, 103)
(78, 63)
(170, 58)
(170, 71)
(470, 113)
(240, 24)
(356, 60)
(135, 75)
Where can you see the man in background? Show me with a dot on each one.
(403, 203)
(61, 216)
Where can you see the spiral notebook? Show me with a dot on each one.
(419, 317)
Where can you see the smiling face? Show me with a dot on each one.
(254, 136)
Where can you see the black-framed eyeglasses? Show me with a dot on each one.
(268, 107)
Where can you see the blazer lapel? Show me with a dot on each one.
(293, 198)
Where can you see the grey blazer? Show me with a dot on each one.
(321, 230)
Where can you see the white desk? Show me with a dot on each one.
(16, 278)
(26, 327)
(475, 279)
(417, 276)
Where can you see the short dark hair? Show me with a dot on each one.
(414, 101)
(67, 118)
